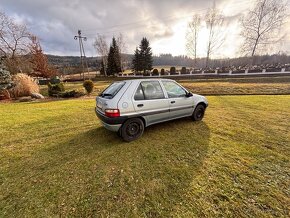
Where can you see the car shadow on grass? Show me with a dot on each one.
(95, 173)
(150, 176)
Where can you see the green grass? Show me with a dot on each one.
(57, 160)
(278, 85)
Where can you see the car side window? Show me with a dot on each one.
(149, 90)
(139, 95)
(173, 90)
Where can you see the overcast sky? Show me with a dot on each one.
(163, 22)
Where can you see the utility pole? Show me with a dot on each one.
(82, 52)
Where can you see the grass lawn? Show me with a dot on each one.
(220, 86)
(240, 86)
(57, 160)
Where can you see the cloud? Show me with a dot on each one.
(56, 22)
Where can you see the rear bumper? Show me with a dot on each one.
(111, 123)
(113, 128)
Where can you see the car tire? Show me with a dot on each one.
(132, 129)
(198, 113)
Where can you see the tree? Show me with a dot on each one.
(214, 23)
(144, 56)
(101, 47)
(5, 77)
(136, 63)
(122, 49)
(14, 41)
(260, 27)
(39, 60)
(101, 67)
(192, 36)
(14, 37)
(114, 59)
(5, 81)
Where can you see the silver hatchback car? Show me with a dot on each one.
(127, 107)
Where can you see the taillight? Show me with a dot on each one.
(112, 112)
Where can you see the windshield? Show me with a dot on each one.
(112, 90)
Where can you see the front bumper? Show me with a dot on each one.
(111, 123)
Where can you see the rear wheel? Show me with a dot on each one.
(132, 129)
(198, 112)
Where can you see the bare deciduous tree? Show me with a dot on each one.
(102, 49)
(192, 36)
(122, 50)
(260, 27)
(14, 37)
(214, 23)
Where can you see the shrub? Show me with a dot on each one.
(55, 80)
(183, 70)
(55, 89)
(89, 86)
(70, 94)
(24, 85)
(155, 72)
(162, 71)
(172, 70)
(5, 78)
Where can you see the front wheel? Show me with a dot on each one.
(132, 129)
(198, 112)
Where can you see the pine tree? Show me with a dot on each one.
(136, 66)
(142, 60)
(5, 77)
(114, 59)
(102, 68)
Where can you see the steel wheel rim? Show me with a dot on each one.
(133, 129)
(199, 113)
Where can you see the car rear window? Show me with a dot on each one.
(112, 90)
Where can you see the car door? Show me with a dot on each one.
(149, 101)
(180, 105)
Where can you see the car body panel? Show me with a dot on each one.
(151, 111)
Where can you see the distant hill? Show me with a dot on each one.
(93, 62)
(69, 64)
(72, 61)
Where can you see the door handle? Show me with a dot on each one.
(172, 102)
(140, 105)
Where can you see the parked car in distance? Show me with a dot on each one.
(128, 106)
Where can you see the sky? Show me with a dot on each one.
(163, 22)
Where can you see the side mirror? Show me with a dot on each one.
(188, 94)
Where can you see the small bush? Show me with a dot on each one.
(55, 89)
(24, 85)
(70, 94)
(172, 70)
(155, 72)
(55, 80)
(183, 70)
(162, 71)
(89, 86)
